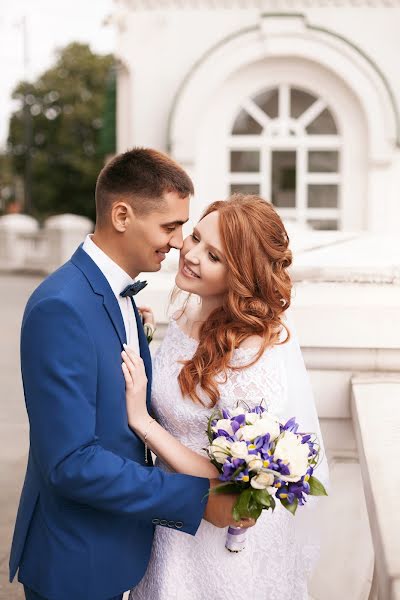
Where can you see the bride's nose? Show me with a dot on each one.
(192, 257)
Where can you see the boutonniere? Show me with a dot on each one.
(148, 331)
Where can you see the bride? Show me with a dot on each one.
(235, 345)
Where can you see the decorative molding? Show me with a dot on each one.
(262, 5)
(323, 32)
(374, 66)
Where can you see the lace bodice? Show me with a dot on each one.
(273, 566)
(186, 420)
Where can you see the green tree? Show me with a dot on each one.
(66, 111)
(6, 181)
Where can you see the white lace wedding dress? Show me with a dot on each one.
(274, 563)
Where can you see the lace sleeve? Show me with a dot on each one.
(265, 380)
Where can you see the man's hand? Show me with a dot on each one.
(219, 509)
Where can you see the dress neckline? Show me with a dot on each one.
(195, 342)
(186, 335)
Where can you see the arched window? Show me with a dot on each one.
(285, 146)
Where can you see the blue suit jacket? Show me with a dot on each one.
(89, 503)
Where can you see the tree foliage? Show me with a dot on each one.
(67, 110)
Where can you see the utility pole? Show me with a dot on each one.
(28, 129)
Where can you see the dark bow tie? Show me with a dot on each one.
(133, 289)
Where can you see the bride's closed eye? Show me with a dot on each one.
(211, 256)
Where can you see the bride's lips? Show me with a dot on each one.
(187, 272)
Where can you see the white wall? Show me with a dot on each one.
(161, 49)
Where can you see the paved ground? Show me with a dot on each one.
(14, 292)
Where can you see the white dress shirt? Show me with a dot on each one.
(118, 280)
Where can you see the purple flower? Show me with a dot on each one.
(290, 425)
(237, 422)
(229, 467)
(283, 467)
(243, 476)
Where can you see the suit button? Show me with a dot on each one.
(156, 521)
(163, 522)
(179, 524)
(171, 523)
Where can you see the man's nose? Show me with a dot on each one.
(176, 240)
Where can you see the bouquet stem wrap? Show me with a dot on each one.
(236, 539)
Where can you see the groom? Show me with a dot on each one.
(90, 502)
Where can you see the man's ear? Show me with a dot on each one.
(121, 215)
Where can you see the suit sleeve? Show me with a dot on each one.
(59, 370)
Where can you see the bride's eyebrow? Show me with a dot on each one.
(216, 250)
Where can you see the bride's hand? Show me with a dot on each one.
(136, 389)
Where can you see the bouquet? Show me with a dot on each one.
(263, 461)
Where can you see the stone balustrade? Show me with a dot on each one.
(375, 408)
(25, 246)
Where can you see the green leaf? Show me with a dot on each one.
(241, 508)
(255, 508)
(273, 503)
(262, 497)
(226, 488)
(216, 414)
(290, 507)
(246, 506)
(316, 487)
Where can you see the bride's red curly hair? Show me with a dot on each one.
(256, 248)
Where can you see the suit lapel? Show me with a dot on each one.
(143, 344)
(114, 312)
(100, 286)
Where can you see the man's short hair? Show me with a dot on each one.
(140, 176)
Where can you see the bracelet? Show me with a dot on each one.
(145, 439)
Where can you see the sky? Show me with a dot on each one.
(50, 25)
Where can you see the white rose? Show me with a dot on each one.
(251, 418)
(219, 449)
(262, 481)
(239, 450)
(254, 462)
(248, 433)
(239, 410)
(224, 424)
(268, 424)
(290, 449)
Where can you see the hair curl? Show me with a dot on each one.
(255, 245)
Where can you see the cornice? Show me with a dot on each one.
(262, 5)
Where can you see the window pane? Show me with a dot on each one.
(245, 188)
(299, 102)
(268, 102)
(324, 224)
(322, 196)
(323, 162)
(284, 179)
(323, 125)
(245, 161)
(246, 125)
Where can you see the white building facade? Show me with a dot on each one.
(298, 101)
(295, 100)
